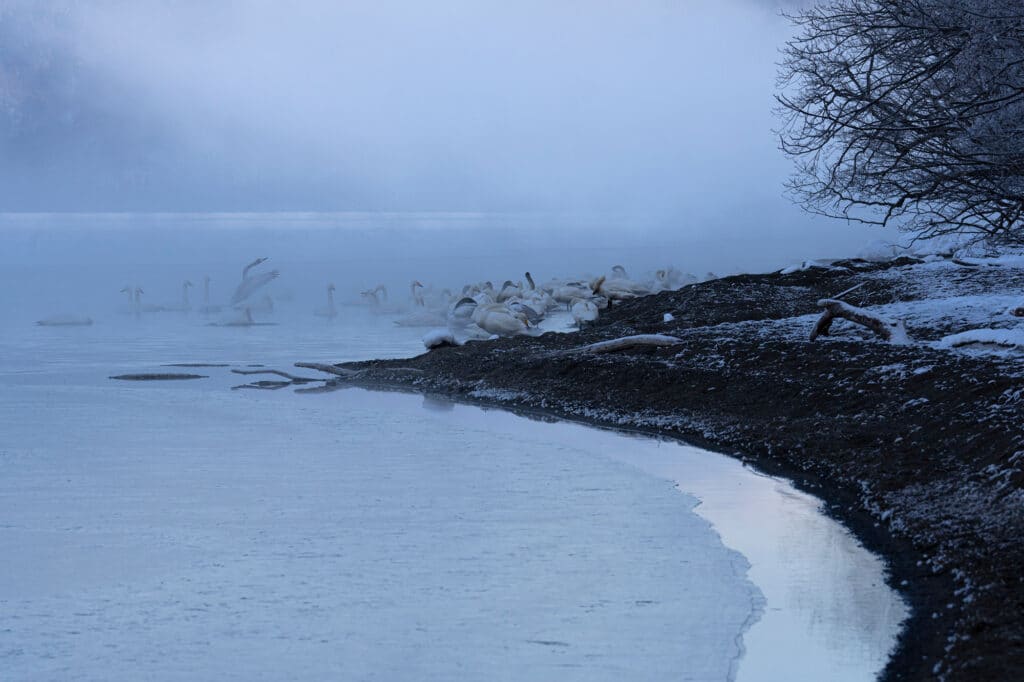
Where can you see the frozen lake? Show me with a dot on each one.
(184, 530)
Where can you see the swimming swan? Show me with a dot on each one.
(329, 311)
(208, 309)
(184, 306)
(417, 297)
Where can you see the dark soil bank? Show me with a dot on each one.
(919, 450)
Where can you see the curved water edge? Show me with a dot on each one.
(788, 592)
(826, 611)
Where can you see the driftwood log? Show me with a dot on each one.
(889, 330)
(625, 343)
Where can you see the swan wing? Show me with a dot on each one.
(250, 285)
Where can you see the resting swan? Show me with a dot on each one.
(583, 311)
(496, 318)
(460, 321)
(618, 289)
(565, 292)
(508, 290)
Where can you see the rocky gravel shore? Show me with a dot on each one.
(918, 448)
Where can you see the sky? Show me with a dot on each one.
(659, 110)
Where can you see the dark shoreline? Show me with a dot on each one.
(916, 459)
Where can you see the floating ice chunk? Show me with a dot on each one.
(669, 317)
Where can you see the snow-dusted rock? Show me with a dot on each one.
(439, 338)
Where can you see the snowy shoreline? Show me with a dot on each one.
(884, 434)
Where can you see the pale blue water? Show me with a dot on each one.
(186, 530)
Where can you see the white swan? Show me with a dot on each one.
(618, 289)
(208, 309)
(670, 279)
(521, 309)
(371, 295)
(417, 298)
(184, 306)
(131, 308)
(583, 311)
(564, 292)
(496, 318)
(252, 283)
(241, 318)
(250, 266)
(261, 306)
(508, 290)
(460, 316)
(461, 324)
(140, 307)
(329, 311)
(538, 299)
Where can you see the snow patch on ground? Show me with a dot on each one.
(1007, 338)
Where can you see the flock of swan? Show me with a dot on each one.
(479, 310)
(483, 311)
(248, 298)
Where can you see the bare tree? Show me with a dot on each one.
(908, 112)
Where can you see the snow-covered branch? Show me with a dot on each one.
(892, 331)
(626, 342)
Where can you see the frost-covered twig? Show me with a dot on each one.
(892, 331)
(625, 342)
(849, 291)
